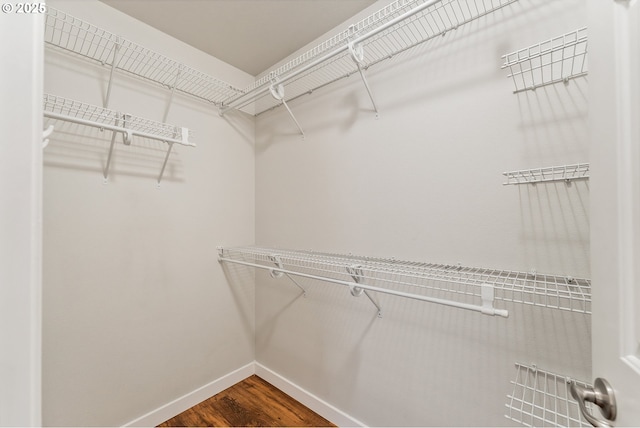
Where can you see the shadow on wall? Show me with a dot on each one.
(434, 61)
(80, 148)
(553, 117)
(239, 120)
(555, 225)
(432, 350)
(242, 284)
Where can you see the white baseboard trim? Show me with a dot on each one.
(313, 402)
(179, 405)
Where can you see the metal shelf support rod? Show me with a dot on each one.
(115, 128)
(173, 90)
(113, 141)
(304, 292)
(164, 164)
(114, 63)
(366, 85)
(284, 103)
(476, 308)
(257, 92)
(357, 55)
(277, 92)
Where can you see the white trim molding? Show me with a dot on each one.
(179, 405)
(318, 405)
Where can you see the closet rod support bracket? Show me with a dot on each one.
(277, 92)
(357, 55)
(277, 273)
(487, 293)
(356, 273)
(46, 134)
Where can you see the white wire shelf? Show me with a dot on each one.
(396, 28)
(541, 398)
(89, 41)
(555, 60)
(452, 285)
(127, 125)
(565, 173)
(56, 107)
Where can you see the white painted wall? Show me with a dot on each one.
(20, 219)
(137, 311)
(423, 182)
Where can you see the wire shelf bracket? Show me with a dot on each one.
(566, 173)
(541, 398)
(357, 55)
(126, 125)
(277, 273)
(559, 59)
(75, 36)
(277, 92)
(46, 134)
(356, 273)
(396, 28)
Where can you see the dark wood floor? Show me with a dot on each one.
(250, 403)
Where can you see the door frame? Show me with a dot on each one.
(21, 89)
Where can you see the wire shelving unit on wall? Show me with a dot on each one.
(128, 126)
(555, 60)
(94, 43)
(566, 173)
(469, 288)
(542, 398)
(391, 30)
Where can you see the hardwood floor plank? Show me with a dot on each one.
(251, 403)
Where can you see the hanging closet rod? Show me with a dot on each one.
(386, 33)
(89, 41)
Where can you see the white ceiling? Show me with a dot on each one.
(251, 35)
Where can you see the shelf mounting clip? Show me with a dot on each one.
(357, 55)
(356, 273)
(277, 92)
(46, 134)
(275, 273)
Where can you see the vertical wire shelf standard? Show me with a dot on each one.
(127, 125)
(556, 60)
(91, 42)
(564, 173)
(541, 398)
(384, 34)
(455, 284)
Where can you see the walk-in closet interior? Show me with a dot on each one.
(391, 225)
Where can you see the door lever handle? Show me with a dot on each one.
(601, 395)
